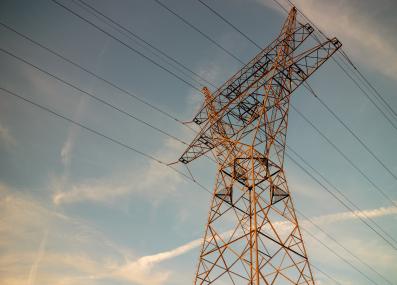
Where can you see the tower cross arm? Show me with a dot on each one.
(253, 71)
(239, 113)
(309, 61)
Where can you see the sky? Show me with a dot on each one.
(79, 209)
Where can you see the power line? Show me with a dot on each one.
(345, 61)
(128, 147)
(198, 30)
(93, 131)
(229, 23)
(118, 109)
(105, 137)
(310, 123)
(340, 201)
(344, 55)
(322, 102)
(339, 192)
(92, 73)
(90, 95)
(356, 137)
(200, 1)
(387, 104)
(334, 146)
(350, 62)
(128, 46)
(281, 6)
(166, 134)
(191, 25)
(333, 113)
(342, 246)
(326, 274)
(243, 34)
(101, 100)
(365, 94)
(129, 33)
(340, 257)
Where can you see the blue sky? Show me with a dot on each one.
(77, 209)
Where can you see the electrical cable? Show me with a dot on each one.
(387, 104)
(342, 246)
(346, 158)
(357, 138)
(94, 132)
(133, 35)
(128, 147)
(340, 201)
(198, 30)
(350, 62)
(94, 97)
(290, 149)
(329, 109)
(350, 67)
(326, 274)
(230, 24)
(167, 114)
(90, 95)
(340, 257)
(128, 46)
(177, 15)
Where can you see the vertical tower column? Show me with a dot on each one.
(252, 235)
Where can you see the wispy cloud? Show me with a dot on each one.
(71, 251)
(67, 260)
(344, 216)
(66, 150)
(6, 136)
(141, 180)
(79, 261)
(35, 265)
(141, 271)
(68, 146)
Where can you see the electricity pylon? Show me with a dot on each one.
(252, 235)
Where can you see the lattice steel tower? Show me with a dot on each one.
(252, 235)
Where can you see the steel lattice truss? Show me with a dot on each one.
(252, 235)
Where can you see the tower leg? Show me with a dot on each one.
(252, 236)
